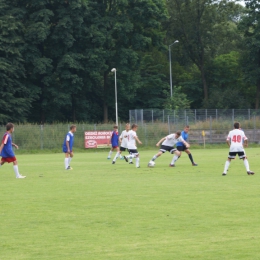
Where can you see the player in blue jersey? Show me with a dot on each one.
(181, 147)
(6, 150)
(68, 146)
(114, 144)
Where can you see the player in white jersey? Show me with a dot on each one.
(168, 145)
(131, 145)
(123, 139)
(236, 141)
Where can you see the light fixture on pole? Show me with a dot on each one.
(114, 70)
(170, 61)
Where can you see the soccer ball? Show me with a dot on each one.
(151, 164)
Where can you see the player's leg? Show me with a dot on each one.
(232, 155)
(158, 155)
(116, 156)
(66, 161)
(137, 159)
(246, 163)
(180, 149)
(71, 155)
(110, 153)
(187, 151)
(16, 170)
(175, 157)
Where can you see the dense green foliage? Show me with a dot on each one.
(56, 57)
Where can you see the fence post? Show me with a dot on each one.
(152, 116)
(130, 117)
(254, 129)
(135, 116)
(145, 133)
(185, 115)
(206, 111)
(142, 116)
(233, 116)
(163, 116)
(41, 132)
(169, 128)
(249, 114)
(210, 129)
(216, 115)
(195, 116)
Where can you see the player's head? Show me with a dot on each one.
(10, 127)
(186, 128)
(236, 125)
(73, 128)
(127, 126)
(178, 134)
(115, 127)
(134, 127)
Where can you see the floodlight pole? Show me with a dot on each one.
(170, 61)
(114, 70)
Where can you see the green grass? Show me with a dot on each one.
(102, 211)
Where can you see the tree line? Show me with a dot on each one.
(56, 57)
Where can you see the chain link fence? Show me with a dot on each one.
(215, 123)
(153, 125)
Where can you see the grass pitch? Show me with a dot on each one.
(102, 211)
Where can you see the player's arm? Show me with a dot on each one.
(67, 143)
(245, 142)
(15, 145)
(186, 144)
(228, 142)
(120, 138)
(137, 139)
(1, 147)
(161, 141)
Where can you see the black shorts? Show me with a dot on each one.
(181, 148)
(132, 151)
(241, 155)
(165, 148)
(122, 149)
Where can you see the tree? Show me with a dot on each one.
(130, 28)
(250, 26)
(16, 97)
(204, 29)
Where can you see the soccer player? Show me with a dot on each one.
(123, 138)
(168, 145)
(181, 147)
(236, 141)
(114, 144)
(6, 150)
(68, 146)
(131, 145)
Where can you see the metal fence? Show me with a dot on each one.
(216, 123)
(153, 125)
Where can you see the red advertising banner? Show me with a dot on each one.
(97, 139)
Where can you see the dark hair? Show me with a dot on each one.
(236, 125)
(178, 132)
(187, 126)
(72, 126)
(9, 126)
(115, 127)
(134, 125)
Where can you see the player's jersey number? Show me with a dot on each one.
(236, 138)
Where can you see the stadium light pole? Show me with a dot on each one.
(114, 70)
(170, 61)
